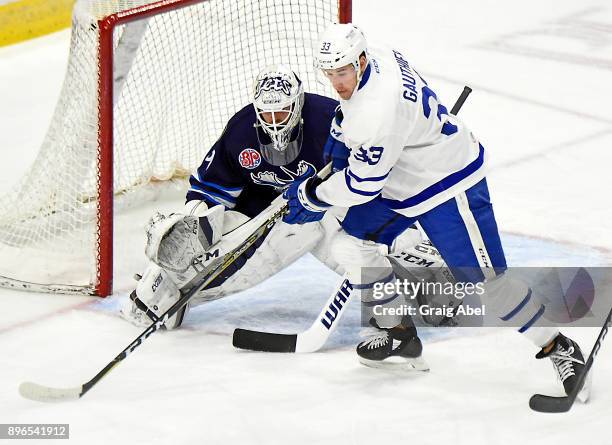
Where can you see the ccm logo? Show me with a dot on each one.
(484, 257)
(337, 304)
(203, 259)
(157, 282)
(213, 254)
(409, 258)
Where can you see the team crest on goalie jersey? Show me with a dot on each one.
(280, 182)
(249, 158)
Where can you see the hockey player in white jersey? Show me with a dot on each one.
(279, 138)
(411, 161)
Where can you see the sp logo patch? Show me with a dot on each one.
(249, 158)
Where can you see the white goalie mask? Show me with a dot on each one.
(278, 98)
(340, 45)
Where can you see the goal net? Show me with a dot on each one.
(148, 89)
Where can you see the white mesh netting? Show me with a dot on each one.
(178, 77)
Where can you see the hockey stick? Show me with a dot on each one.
(460, 100)
(313, 338)
(550, 404)
(41, 393)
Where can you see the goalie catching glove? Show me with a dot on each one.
(176, 240)
(174, 244)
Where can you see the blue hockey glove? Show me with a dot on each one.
(337, 153)
(304, 207)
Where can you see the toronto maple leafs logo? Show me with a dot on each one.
(272, 179)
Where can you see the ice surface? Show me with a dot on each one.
(541, 78)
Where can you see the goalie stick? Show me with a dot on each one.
(313, 338)
(551, 404)
(41, 393)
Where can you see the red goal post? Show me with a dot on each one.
(148, 89)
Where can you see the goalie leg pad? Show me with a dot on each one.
(154, 294)
(284, 244)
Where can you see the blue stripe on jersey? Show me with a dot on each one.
(196, 196)
(440, 186)
(197, 176)
(214, 198)
(232, 191)
(372, 179)
(357, 191)
(204, 187)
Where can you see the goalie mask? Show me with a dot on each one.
(278, 97)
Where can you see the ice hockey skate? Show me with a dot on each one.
(568, 361)
(396, 348)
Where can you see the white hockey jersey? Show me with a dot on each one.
(404, 144)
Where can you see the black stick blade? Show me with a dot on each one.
(263, 341)
(549, 404)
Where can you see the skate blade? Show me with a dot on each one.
(585, 392)
(406, 364)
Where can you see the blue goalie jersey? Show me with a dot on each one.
(235, 174)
